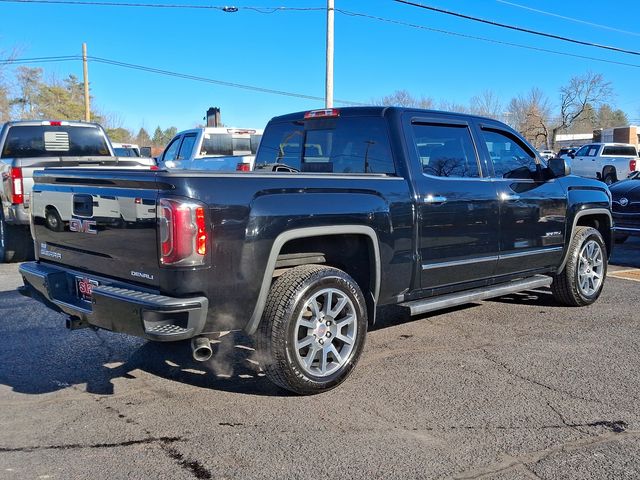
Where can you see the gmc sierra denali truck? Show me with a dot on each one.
(26, 146)
(368, 207)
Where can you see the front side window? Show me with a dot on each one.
(582, 152)
(510, 157)
(446, 150)
(171, 151)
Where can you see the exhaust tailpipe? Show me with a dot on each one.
(74, 323)
(201, 348)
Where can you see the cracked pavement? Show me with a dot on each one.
(514, 388)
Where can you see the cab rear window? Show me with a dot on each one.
(338, 145)
(620, 150)
(54, 141)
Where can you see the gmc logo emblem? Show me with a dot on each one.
(84, 226)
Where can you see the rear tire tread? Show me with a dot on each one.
(272, 333)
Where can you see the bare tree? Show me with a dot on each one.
(450, 106)
(588, 89)
(402, 98)
(487, 104)
(530, 114)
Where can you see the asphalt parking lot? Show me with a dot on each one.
(518, 387)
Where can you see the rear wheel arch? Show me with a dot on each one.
(370, 286)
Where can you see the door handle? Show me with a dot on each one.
(505, 197)
(434, 199)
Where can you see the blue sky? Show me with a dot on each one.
(285, 51)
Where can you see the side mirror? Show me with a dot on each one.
(559, 167)
(572, 155)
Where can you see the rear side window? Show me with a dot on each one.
(446, 150)
(343, 145)
(620, 150)
(187, 146)
(54, 141)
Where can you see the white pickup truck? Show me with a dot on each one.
(26, 146)
(608, 162)
(212, 148)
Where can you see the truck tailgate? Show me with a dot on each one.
(103, 222)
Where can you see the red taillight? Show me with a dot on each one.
(183, 233)
(632, 165)
(55, 124)
(17, 191)
(154, 167)
(201, 236)
(326, 112)
(138, 201)
(243, 167)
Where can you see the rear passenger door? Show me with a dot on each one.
(457, 205)
(532, 210)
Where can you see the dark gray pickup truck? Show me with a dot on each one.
(350, 211)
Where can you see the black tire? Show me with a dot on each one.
(567, 287)
(291, 301)
(15, 242)
(52, 220)
(621, 238)
(610, 178)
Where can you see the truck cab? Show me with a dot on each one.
(212, 148)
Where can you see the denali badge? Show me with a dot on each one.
(148, 276)
(84, 226)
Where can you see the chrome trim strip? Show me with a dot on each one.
(457, 263)
(531, 252)
(625, 229)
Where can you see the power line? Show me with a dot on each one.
(571, 19)
(213, 81)
(22, 61)
(266, 10)
(484, 39)
(518, 29)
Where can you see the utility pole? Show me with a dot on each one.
(85, 71)
(329, 79)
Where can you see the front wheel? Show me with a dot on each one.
(313, 329)
(580, 282)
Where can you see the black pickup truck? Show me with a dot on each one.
(350, 211)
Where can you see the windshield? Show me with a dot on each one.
(54, 141)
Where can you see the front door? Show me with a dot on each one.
(532, 209)
(457, 206)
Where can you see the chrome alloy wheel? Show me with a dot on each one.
(590, 268)
(325, 332)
